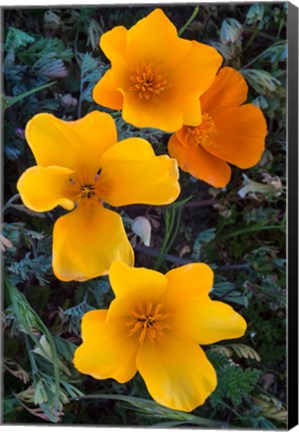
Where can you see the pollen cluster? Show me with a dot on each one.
(149, 81)
(148, 322)
(204, 133)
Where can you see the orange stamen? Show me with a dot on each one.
(149, 81)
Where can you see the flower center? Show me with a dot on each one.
(87, 191)
(149, 81)
(204, 133)
(148, 322)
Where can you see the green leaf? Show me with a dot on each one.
(262, 81)
(16, 38)
(204, 237)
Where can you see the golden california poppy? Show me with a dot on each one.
(80, 165)
(155, 325)
(229, 132)
(156, 77)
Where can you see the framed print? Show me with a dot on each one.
(150, 173)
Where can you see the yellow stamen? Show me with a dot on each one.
(149, 81)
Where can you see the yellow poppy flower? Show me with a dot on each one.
(155, 325)
(80, 165)
(229, 132)
(156, 77)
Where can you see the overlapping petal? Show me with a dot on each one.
(199, 163)
(87, 241)
(177, 373)
(114, 353)
(131, 173)
(106, 91)
(229, 89)
(77, 145)
(197, 71)
(229, 132)
(42, 189)
(241, 135)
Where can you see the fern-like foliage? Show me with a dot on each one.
(234, 383)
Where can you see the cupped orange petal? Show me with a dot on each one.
(42, 189)
(113, 42)
(133, 287)
(132, 173)
(229, 89)
(208, 321)
(91, 321)
(106, 91)
(195, 160)
(162, 114)
(107, 351)
(87, 241)
(154, 38)
(177, 372)
(76, 145)
(240, 138)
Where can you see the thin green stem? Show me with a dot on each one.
(253, 229)
(10, 201)
(182, 29)
(257, 57)
(169, 222)
(176, 231)
(13, 100)
(156, 409)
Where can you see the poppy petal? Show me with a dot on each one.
(107, 351)
(198, 162)
(106, 91)
(73, 144)
(138, 286)
(209, 321)
(229, 89)
(198, 70)
(191, 282)
(87, 241)
(132, 173)
(177, 372)
(113, 42)
(144, 41)
(42, 189)
(241, 136)
(164, 114)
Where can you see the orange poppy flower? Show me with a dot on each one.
(80, 165)
(155, 325)
(229, 132)
(156, 77)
